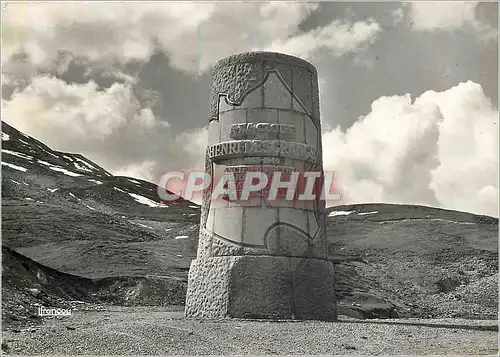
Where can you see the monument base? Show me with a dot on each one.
(261, 287)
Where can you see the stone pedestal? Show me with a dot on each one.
(260, 257)
(262, 287)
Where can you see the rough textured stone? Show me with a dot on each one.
(269, 287)
(314, 287)
(261, 287)
(264, 257)
(208, 287)
(237, 75)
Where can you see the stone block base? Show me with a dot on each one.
(265, 287)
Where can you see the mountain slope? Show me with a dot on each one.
(91, 223)
(391, 260)
(422, 260)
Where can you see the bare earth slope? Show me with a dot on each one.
(103, 240)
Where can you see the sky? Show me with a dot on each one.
(408, 91)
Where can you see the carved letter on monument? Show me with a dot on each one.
(259, 256)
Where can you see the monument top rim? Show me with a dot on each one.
(260, 56)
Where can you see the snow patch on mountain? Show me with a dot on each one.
(88, 165)
(48, 152)
(64, 171)
(15, 167)
(340, 213)
(44, 163)
(81, 168)
(18, 154)
(58, 169)
(90, 208)
(146, 201)
(366, 213)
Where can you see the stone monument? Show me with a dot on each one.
(260, 257)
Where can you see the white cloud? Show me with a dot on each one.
(449, 15)
(441, 150)
(195, 35)
(98, 31)
(80, 111)
(194, 143)
(109, 126)
(338, 37)
(144, 170)
(398, 14)
(442, 14)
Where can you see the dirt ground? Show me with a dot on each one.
(155, 331)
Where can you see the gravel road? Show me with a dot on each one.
(154, 331)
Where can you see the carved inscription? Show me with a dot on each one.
(255, 160)
(239, 173)
(262, 131)
(279, 148)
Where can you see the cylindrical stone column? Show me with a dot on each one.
(260, 255)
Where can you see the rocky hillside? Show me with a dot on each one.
(419, 261)
(101, 239)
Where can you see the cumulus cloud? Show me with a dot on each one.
(194, 35)
(196, 141)
(398, 15)
(144, 170)
(111, 126)
(338, 38)
(107, 118)
(449, 15)
(98, 31)
(440, 149)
